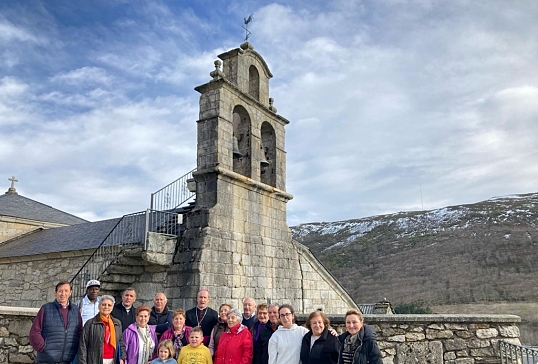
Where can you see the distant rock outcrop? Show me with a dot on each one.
(487, 251)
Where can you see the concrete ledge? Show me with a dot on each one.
(18, 311)
(373, 319)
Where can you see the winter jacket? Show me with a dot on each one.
(367, 352)
(131, 341)
(169, 334)
(324, 351)
(51, 338)
(126, 318)
(216, 333)
(90, 350)
(235, 346)
(261, 333)
(162, 320)
(285, 345)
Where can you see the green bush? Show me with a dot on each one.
(412, 308)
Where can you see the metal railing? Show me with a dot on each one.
(517, 354)
(130, 231)
(173, 195)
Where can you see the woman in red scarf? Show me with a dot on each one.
(101, 341)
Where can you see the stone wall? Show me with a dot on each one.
(439, 339)
(403, 339)
(15, 323)
(29, 281)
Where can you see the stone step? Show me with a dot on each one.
(118, 278)
(124, 269)
(133, 252)
(131, 261)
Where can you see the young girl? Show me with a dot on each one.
(196, 352)
(166, 353)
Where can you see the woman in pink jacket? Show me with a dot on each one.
(178, 333)
(235, 344)
(140, 338)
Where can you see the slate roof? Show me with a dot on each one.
(15, 205)
(66, 238)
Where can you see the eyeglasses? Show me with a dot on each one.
(285, 314)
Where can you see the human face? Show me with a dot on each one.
(202, 299)
(195, 339)
(62, 294)
(164, 353)
(222, 312)
(273, 315)
(286, 317)
(142, 318)
(248, 307)
(105, 307)
(159, 302)
(232, 320)
(317, 325)
(128, 298)
(92, 292)
(263, 316)
(353, 324)
(178, 322)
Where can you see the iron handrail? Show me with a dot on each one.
(517, 354)
(130, 231)
(172, 195)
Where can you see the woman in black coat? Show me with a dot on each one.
(101, 340)
(358, 344)
(319, 345)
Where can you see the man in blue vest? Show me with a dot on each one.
(59, 324)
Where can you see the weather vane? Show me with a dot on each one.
(247, 32)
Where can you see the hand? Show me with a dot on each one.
(333, 332)
(121, 361)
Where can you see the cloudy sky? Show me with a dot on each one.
(394, 105)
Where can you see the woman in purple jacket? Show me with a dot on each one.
(140, 338)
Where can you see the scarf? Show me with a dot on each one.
(178, 344)
(351, 343)
(149, 345)
(110, 330)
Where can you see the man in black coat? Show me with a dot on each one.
(160, 315)
(202, 316)
(125, 310)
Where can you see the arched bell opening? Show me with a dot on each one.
(254, 82)
(268, 155)
(241, 141)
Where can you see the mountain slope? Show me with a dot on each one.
(487, 251)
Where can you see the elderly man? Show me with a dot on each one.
(59, 325)
(201, 315)
(160, 314)
(125, 310)
(249, 312)
(89, 304)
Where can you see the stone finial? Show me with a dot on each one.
(246, 46)
(217, 73)
(271, 107)
(12, 188)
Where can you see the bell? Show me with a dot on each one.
(263, 161)
(236, 152)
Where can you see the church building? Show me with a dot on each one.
(232, 238)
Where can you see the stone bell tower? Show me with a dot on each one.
(237, 243)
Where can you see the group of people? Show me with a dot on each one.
(98, 330)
